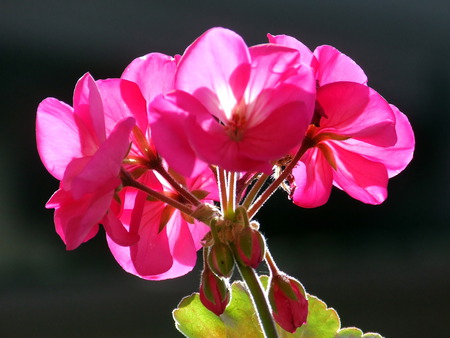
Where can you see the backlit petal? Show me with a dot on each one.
(57, 136)
(313, 180)
(334, 66)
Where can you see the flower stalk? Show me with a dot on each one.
(253, 209)
(259, 300)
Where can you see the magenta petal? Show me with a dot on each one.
(88, 107)
(217, 62)
(122, 99)
(272, 65)
(151, 254)
(359, 177)
(168, 122)
(116, 231)
(282, 128)
(313, 180)
(153, 73)
(57, 136)
(394, 158)
(402, 152)
(75, 220)
(182, 248)
(306, 55)
(357, 111)
(333, 66)
(105, 165)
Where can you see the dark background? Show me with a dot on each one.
(383, 268)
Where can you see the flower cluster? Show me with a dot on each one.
(171, 156)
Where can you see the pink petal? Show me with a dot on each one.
(88, 107)
(151, 254)
(281, 130)
(403, 150)
(313, 179)
(57, 136)
(215, 69)
(168, 118)
(359, 177)
(153, 73)
(105, 165)
(394, 158)
(307, 56)
(122, 99)
(272, 65)
(77, 220)
(183, 250)
(117, 232)
(357, 111)
(198, 231)
(333, 66)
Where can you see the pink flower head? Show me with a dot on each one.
(357, 144)
(329, 64)
(84, 147)
(238, 107)
(168, 239)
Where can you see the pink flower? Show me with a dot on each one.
(168, 239)
(84, 147)
(358, 143)
(233, 106)
(357, 140)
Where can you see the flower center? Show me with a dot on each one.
(235, 126)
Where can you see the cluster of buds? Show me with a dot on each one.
(243, 243)
(247, 248)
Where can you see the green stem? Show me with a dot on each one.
(231, 202)
(222, 183)
(259, 300)
(271, 263)
(129, 181)
(177, 186)
(254, 190)
(278, 181)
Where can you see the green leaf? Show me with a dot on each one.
(322, 322)
(353, 332)
(240, 320)
(194, 320)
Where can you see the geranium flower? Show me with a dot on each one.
(84, 147)
(168, 239)
(358, 143)
(238, 107)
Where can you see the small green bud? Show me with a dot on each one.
(250, 247)
(220, 260)
(214, 292)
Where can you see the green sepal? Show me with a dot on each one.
(220, 260)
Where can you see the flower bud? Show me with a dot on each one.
(214, 292)
(288, 301)
(220, 260)
(250, 247)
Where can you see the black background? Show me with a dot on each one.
(383, 268)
